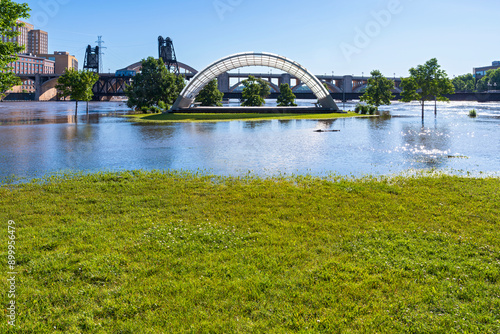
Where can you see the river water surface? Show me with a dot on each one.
(40, 138)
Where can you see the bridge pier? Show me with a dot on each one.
(38, 87)
(347, 83)
(223, 82)
(286, 79)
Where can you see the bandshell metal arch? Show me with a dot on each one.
(202, 78)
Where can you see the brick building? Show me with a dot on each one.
(28, 65)
(34, 41)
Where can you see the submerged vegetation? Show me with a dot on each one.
(176, 252)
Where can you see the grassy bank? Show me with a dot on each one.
(155, 252)
(191, 117)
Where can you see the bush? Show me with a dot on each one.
(155, 109)
(365, 109)
(473, 113)
(162, 105)
(357, 109)
(372, 110)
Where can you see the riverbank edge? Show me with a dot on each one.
(226, 117)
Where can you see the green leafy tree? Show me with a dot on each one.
(378, 91)
(254, 92)
(482, 84)
(426, 82)
(210, 96)
(153, 85)
(10, 12)
(458, 84)
(77, 85)
(491, 81)
(464, 83)
(494, 78)
(286, 97)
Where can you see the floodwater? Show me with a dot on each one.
(40, 138)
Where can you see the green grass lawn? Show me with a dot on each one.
(191, 117)
(175, 252)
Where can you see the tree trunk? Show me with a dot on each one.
(76, 108)
(423, 106)
(87, 107)
(435, 106)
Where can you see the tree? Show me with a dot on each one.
(254, 92)
(494, 78)
(464, 83)
(210, 96)
(10, 12)
(77, 85)
(482, 84)
(378, 91)
(286, 97)
(153, 85)
(426, 82)
(491, 80)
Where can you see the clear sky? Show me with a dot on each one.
(347, 37)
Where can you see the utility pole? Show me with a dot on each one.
(100, 42)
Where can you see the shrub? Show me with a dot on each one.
(162, 105)
(371, 109)
(360, 109)
(155, 109)
(365, 109)
(473, 113)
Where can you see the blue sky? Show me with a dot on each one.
(347, 37)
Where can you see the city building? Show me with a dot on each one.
(28, 65)
(38, 42)
(34, 41)
(480, 72)
(23, 38)
(63, 60)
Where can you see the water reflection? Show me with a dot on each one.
(286, 123)
(31, 113)
(254, 124)
(153, 133)
(325, 124)
(429, 147)
(45, 138)
(379, 123)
